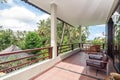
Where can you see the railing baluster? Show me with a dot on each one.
(79, 45)
(50, 53)
(72, 47)
(103, 46)
(57, 50)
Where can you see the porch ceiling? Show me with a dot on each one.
(80, 12)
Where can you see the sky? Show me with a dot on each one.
(18, 15)
(96, 31)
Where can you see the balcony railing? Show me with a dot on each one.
(83, 46)
(67, 47)
(13, 60)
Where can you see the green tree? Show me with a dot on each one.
(83, 38)
(97, 40)
(5, 39)
(117, 31)
(66, 34)
(85, 33)
(118, 36)
(44, 31)
(32, 40)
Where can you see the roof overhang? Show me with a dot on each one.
(79, 12)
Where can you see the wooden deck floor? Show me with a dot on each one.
(72, 68)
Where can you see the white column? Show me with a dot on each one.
(80, 36)
(54, 30)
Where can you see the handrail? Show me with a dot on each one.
(20, 51)
(68, 44)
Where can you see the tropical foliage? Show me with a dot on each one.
(5, 39)
(98, 41)
(8, 37)
(117, 31)
(32, 40)
(66, 34)
(85, 33)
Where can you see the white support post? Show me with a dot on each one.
(80, 36)
(54, 30)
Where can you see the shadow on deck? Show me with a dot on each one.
(71, 68)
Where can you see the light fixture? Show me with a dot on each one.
(115, 18)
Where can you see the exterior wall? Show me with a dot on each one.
(33, 70)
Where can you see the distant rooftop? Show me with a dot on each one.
(12, 48)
